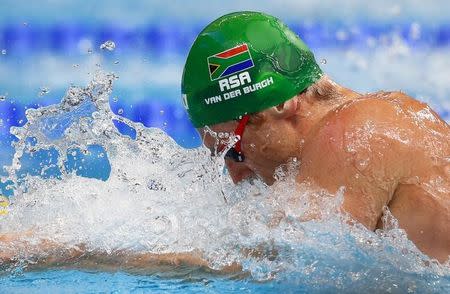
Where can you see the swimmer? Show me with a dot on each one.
(387, 149)
(249, 75)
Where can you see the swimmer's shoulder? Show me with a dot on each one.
(402, 104)
(363, 125)
(378, 113)
(352, 114)
(373, 108)
(390, 107)
(350, 127)
(382, 104)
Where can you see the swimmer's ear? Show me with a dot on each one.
(286, 109)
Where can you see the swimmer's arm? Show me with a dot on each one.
(44, 253)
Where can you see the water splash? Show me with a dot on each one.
(43, 91)
(158, 197)
(108, 45)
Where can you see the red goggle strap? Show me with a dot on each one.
(240, 131)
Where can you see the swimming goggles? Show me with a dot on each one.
(235, 152)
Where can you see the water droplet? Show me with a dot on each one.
(2, 97)
(75, 65)
(43, 91)
(115, 99)
(155, 185)
(165, 124)
(362, 164)
(101, 155)
(161, 112)
(74, 153)
(116, 62)
(4, 52)
(21, 121)
(1, 122)
(108, 45)
(161, 225)
(323, 61)
(25, 23)
(120, 111)
(89, 51)
(415, 31)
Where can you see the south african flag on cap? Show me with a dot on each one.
(228, 62)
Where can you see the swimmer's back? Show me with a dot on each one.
(387, 149)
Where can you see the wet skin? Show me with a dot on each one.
(387, 149)
(47, 253)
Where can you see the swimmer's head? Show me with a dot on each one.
(243, 63)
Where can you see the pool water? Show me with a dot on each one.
(103, 154)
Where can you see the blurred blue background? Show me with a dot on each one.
(46, 46)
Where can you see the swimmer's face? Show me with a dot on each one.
(265, 144)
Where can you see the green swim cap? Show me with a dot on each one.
(243, 63)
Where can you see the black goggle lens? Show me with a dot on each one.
(234, 155)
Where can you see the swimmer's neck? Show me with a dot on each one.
(313, 107)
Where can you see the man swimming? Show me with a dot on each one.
(247, 74)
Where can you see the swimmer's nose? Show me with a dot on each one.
(238, 171)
